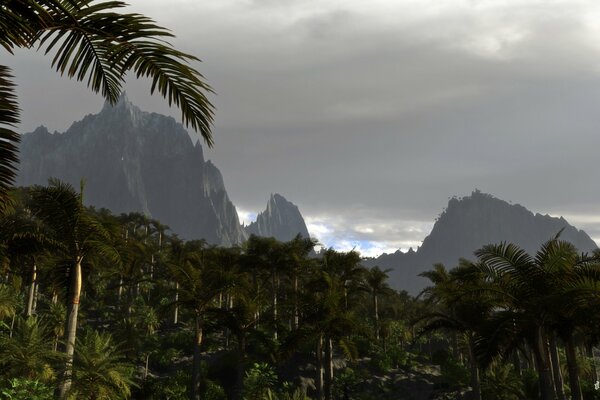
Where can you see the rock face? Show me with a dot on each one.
(136, 161)
(466, 225)
(281, 220)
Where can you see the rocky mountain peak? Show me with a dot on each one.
(281, 220)
(136, 161)
(467, 224)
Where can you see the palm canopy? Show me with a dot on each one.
(91, 41)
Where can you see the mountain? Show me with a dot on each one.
(136, 161)
(281, 220)
(465, 226)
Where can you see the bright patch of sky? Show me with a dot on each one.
(246, 217)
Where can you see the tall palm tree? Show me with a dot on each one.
(464, 308)
(93, 41)
(61, 209)
(200, 283)
(375, 283)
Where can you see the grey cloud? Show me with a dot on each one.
(376, 120)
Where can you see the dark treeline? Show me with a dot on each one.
(98, 306)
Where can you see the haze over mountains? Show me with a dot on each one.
(137, 161)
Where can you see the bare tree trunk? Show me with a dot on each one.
(32, 290)
(196, 361)
(475, 382)
(146, 364)
(274, 286)
(36, 294)
(558, 379)
(590, 354)
(176, 314)
(71, 331)
(296, 311)
(573, 368)
(120, 293)
(328, 381)
(517, 362)
(376, 308)
(319, 369)
(239, 385)
(543, 366)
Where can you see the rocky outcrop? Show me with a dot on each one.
(281, 220)
(469, 223)
(136, 161)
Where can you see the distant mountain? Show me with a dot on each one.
(136, 161)
(281, 220)
(465, 226)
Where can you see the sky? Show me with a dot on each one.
(370, 115)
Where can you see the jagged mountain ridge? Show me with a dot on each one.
(465, 226)
(137, 161)
(281, 220)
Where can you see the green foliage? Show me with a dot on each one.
(454, 373)
(259, 379)
(25, 389)
(99, 369)
(531, 382)
(173, 387)
(213, 391)
(28, 353)
(500, 382)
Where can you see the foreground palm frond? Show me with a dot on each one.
(9, 117)
(93, 42)
(97, 44)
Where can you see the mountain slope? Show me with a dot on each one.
(281, 220)
(469, 223)
(136, 161)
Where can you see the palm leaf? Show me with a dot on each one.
(95, 43)
(9, 116)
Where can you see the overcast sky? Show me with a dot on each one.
(369, 115)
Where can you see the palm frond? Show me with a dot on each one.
(95, 43)
(9, 117)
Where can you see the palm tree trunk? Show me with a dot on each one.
(35, 298)
(274, 287)
(475, 381)
(296, 310)
(196, 361)
(176, 314)
(517, 362)
(376, 310)
(328, 381)
(71, 331)
(558, 379)
(32, 290)
(239, 381)
(543, 365)
(573, 368)
(589, 349)
(319, 368)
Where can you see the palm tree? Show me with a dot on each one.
(100, 372)
(200, 283)
(61, 209)
(93, 41)
(532, 291)
(27, 352)
(375, 283)
(464, 308)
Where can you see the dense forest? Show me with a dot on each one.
(99, 306)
